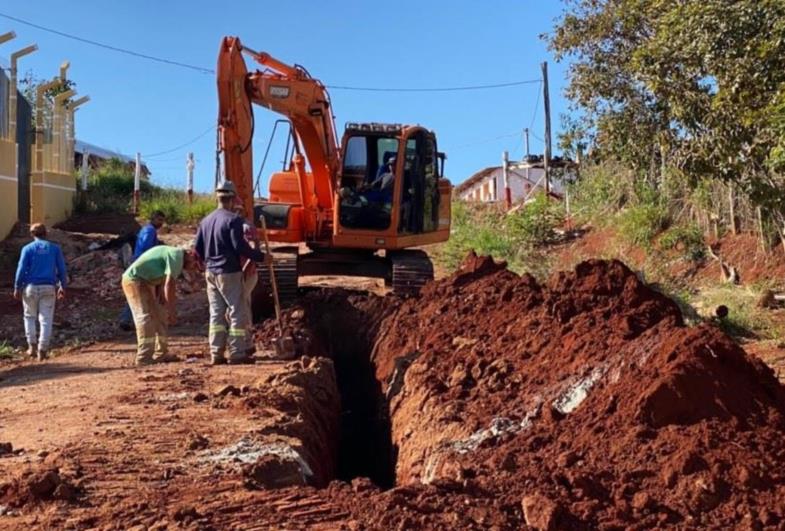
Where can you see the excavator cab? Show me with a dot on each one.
(389, 181)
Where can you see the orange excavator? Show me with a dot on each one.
(358, 206)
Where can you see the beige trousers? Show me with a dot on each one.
(149, 318)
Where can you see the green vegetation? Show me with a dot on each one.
(687, 238)
(745, 318)
(175, 205)
(6, 350)
(517, 237)
(639, 224)
(111, 187)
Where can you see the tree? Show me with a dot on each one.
(29, 87)
(696, 87)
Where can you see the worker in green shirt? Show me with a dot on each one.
(149, 287)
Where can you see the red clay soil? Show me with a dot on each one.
(585, 401)
(580, 403)
(169, 447)
(110, 223)
(741, 251)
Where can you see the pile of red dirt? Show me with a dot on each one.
(583, 401)
(39, 484)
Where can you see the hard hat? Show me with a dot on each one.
(225, 188)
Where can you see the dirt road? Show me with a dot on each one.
(456, 426)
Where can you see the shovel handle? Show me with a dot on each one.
(273, 281)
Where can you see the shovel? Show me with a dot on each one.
(284, 345)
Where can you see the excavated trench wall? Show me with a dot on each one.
(342, 326)
(584, 399)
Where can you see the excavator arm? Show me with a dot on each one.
(292, 92)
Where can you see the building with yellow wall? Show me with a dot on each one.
(8, 187)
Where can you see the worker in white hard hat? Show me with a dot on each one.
(220, 243)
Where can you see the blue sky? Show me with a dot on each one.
(138, 105)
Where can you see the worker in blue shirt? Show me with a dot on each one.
(40, 277)
(148, 235)
(145, 240)
(221, 245)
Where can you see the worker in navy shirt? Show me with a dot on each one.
(40, 278)
(221, 245)
(145, 240)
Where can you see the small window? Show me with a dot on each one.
(356, 157)
(384, 147)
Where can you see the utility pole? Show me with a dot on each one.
(506, 177)
(137, 181)
(547, 108)
(526, 137)
(189, 186)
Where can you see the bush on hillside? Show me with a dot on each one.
(110, 188)
(174, 204)
(515, 237)
(599, 193)
(686, 238)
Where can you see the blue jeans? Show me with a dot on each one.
(126, 318)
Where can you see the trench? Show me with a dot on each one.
(346, 333)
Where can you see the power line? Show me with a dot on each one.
(181, 146)
(487, 140)
(435, 89)
(536, 106)
(204, 70)
(109, 46)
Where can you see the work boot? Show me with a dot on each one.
(166, 358)
(144, 362)
(42, 355)
(217, 360)
(32, 351)
(242, 360)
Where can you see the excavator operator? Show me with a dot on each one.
(380, 189)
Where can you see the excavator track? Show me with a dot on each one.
(285, 266)
(411, 269)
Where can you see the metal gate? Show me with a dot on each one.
(25, 134)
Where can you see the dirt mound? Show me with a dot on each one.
(38, 485)
(112, 223)
(586, 393)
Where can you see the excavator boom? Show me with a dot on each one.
(288, 90)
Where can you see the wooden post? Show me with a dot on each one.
(526, 136)
(137, 181)
(85, 168)
(189, 184)
(547, 108)
(506, 177)
(759, 212)
(731, 204)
